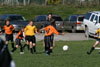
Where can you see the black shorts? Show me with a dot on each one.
(48, 41)
(30, 39)
(18, 41)
(9, 37)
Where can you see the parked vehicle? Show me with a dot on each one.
(74, 23)
(16, 20)
(41, 20)
(91, 23)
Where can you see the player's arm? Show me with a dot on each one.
(18, 34)
(35, 29)
(96, 33)
(42, 29)
(56, 32)
(13, 29)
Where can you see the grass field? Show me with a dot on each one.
(75, 57)
(29, 12)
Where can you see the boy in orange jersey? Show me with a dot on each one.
(8, 28)
(19, 37)
(49, 31)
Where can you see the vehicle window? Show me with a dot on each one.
(16, 18)
(40, 18)
(57, 18)
(87, 16)
(67, 19)
(99, 19)
(96, 18)
(92, 17)
(80, 18)
(73, 18)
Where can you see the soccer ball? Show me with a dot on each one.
(65, 47)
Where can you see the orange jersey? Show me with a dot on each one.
(50, 30)
(8, 29)
(19, 35)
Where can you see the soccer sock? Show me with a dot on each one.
(14, 49)
(28, 47)
(31, 49)
(91, 50)
(51, 50)
(24, 45)
(21, 49)
(34, 48)
(12, 45)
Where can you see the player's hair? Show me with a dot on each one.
(52, 21)
(30, 20)
(49, 13)
(6, 20)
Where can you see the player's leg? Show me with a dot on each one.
(12, 42)
(51, 43)
(7, 39)
(26, 43)
(31, 47)
(92, 49)
(47, 45)
(34, 43)
(17, 45)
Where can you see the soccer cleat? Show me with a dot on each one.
(88, 53)
(11, 52)
(21, 52)
(47, 54)
(99, 52)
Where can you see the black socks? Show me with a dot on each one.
(34, 48)
(14, 49)
(21, 49)
(28, 47)
(91, 50)
(25, 46)
(12, 45)
(31, 49)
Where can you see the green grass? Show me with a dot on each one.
(75, 57)
(29, 12)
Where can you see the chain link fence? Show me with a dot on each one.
(45, 2)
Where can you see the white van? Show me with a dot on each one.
(91, 23)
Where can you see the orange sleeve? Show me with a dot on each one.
(18, 34)
(12, 27)
(44, 28)
(4, 27)
(55, 31)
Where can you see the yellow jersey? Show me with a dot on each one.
(98, 32)
(30, 30)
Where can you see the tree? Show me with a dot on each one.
(53, 2)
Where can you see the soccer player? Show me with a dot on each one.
(48, 22)
(19, 37)
(30, 31)
(50, 30)
(8, 28)
(96, 43)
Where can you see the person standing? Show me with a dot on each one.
(9, 29)
(30, 31)
(96, 43)
(48, 22)
(19, 37)
(49, 31)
